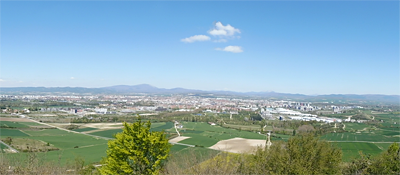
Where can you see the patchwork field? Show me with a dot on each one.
(358, 137)
(366, 138)
(203, 134)
(70, 145)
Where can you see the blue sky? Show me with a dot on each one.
(292, 47)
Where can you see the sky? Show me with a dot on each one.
(305, 47)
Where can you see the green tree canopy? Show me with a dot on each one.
(136, 150)
(302, 154)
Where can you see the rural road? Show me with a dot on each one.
(9, 147)
(106, 138)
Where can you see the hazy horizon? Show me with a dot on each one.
(193, 89)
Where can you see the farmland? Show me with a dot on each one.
(70, 144)
(370, 139)
(351, 149)
(205, 135)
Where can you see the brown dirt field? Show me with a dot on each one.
(178, 139)
(15, 119)
(239, 145)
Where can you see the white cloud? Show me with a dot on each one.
(233, 49)
(220, 41)
(221, 30)
(196, 38)
(1, 80)
(72, 78)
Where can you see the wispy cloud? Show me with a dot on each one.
(1, 80)
(220, 41)
(221, 33)
(72, 78)
(196, 38)
(221, 30)
(233, 49)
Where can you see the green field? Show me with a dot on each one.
(90, 154)
(154, 127)
(247, 127)
(10, 132)
(71, 145)
(369, 137)
(201, 134)
(107, 133)
(356, 126)
(350, 150)
(2, 146)
(84, 129)
(13, 124)
(165, 126)
(46, 132)
(31, 124)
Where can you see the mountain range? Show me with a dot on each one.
(148, 89)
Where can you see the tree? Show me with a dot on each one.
(388, 162)
(302, 154)
(136, 150)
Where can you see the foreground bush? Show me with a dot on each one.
(303, 154)
(136, 150)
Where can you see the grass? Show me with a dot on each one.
(184, 158)
(84, 129)
(11, 132)
(71, 145)
(46, 132)
(154, 127)
(351, 150)
(247, 127)
(369, 137)
(69, 141)
(2, 146)
(166, 126)
(32, 124)
(356, 126)
(89, 154)
(176, 148)
(13, 124)
(107, 133)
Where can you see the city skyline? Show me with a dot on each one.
(287, 47)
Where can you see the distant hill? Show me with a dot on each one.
(148, 89)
